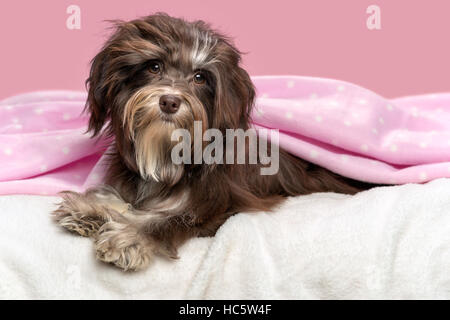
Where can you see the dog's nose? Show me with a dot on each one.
(169, 103)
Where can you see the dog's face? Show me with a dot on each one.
(158, 74)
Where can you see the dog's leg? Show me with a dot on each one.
(85, 213)
(131, 245)
(123, 245)
(102, 214)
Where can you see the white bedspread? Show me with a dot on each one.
(390, 242)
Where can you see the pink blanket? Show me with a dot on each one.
(340, 126)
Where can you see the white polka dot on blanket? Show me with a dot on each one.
(313, 96)
(364, 147)
(314, 154)
(381, 120)
(43, 168)
(65, 150)
(66, 116)
(259, 113)
(38, 110)
(362, 101)
(289, 115)
(8, 151)
(423, 176)
(375, 131)
(333, 103)
(393, 148)
(290, 84)
(341, 88)
(423, 145)
(389, 107)
(94, 178)
(347, 123)
(415, 112)
(318, 118)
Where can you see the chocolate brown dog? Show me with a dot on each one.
(153, 76)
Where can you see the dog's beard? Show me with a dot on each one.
(151, 130)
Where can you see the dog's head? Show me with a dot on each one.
(157, 74)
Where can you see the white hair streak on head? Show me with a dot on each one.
(203, 44)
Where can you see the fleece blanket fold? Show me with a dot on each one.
(340, 126)
(385, 243)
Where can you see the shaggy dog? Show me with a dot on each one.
(153, 76)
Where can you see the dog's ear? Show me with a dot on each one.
(117, 61)
(96, 104)
(245, 90)
(235, 93)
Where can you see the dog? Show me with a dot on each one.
(153, 76)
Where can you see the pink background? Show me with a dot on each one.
(325, 38)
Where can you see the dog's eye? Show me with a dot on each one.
(199, 78)
(155, 67)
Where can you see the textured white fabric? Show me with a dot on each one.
(389, 242)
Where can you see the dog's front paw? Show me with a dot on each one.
(121, 245)
(75, 215)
